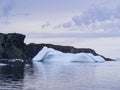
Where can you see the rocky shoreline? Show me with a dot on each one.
(12, 46)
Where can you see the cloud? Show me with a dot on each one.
(99, 19)
(98, 13)
(7, 8)
(95, 20)
(67, 25)
(45, 25)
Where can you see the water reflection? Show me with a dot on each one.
(11, 72)
(61, 75)
(66, 76)
(73, 76)
(11, 77)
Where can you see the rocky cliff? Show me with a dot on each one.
(12, 46)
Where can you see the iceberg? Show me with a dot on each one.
(49, 54)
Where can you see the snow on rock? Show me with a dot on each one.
(49, 54)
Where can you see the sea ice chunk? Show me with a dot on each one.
(49, 54)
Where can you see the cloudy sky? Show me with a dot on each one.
(62, 18)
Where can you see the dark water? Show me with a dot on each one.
(61, 76)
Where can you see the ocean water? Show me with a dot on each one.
(61, 76)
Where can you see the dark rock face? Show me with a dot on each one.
(35, 48)
(12, 46)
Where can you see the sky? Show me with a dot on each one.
(61, 17)
(81, 23)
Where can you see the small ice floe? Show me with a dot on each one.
(15, 60)
(7, 61)
(12, 62)
(49, 54)
(3, 64)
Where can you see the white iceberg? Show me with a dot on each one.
(49, 54)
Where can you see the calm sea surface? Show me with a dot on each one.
(61, 76)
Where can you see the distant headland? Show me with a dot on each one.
(12, 46)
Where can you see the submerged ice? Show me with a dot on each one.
(49, 54)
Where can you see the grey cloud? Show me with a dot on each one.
(45, 25)
(96, 14)
(67, 25)
(64, 25)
